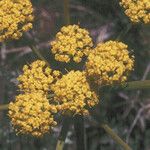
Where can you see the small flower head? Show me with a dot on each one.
(32, 114)
(16, 17)
(71, 43)
(73, 94)
(137, 10)
(37, 77)
(109, 63)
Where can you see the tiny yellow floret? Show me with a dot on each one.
(73, 94)
(137, 10)
(37, 77)
(109, 63)
(16, 17)
(32, 114)
(71, 44)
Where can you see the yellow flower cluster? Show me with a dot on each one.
(37, 77)
(16, 16)
(109, 63)
(137, 10)
(73, 94)
(71, 43)
(32, 114)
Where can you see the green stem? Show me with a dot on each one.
(115, 137)
(60, 145)
(80, 132)
(66, 12)
(63, 133)
(4, 107)
(137, 85)
(36, 51)
(133, 85)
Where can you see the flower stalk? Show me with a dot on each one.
(63, 133)
(4, 107)
(36, 51)
(115, 137)
(80, 132)
(66, 12)
(134, 85)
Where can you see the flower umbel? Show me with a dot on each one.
(16, 17)
(71, 43)
(73, 94)
(32, 114)
(109, 63)
(137, 10)
(37, 77)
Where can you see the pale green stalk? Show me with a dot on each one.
(66, 12)
(115, 137)
(4, 107)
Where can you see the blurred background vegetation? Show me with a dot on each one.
(127, 112)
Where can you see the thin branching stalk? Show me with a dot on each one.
(63, 133)
(4, 107)
(36, 51)
(115, 137)
(32, 45)
(66, 12)
(80, 132)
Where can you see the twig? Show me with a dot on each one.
(136, 98)
(147, 70)
(135, 121)
(26, 48)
